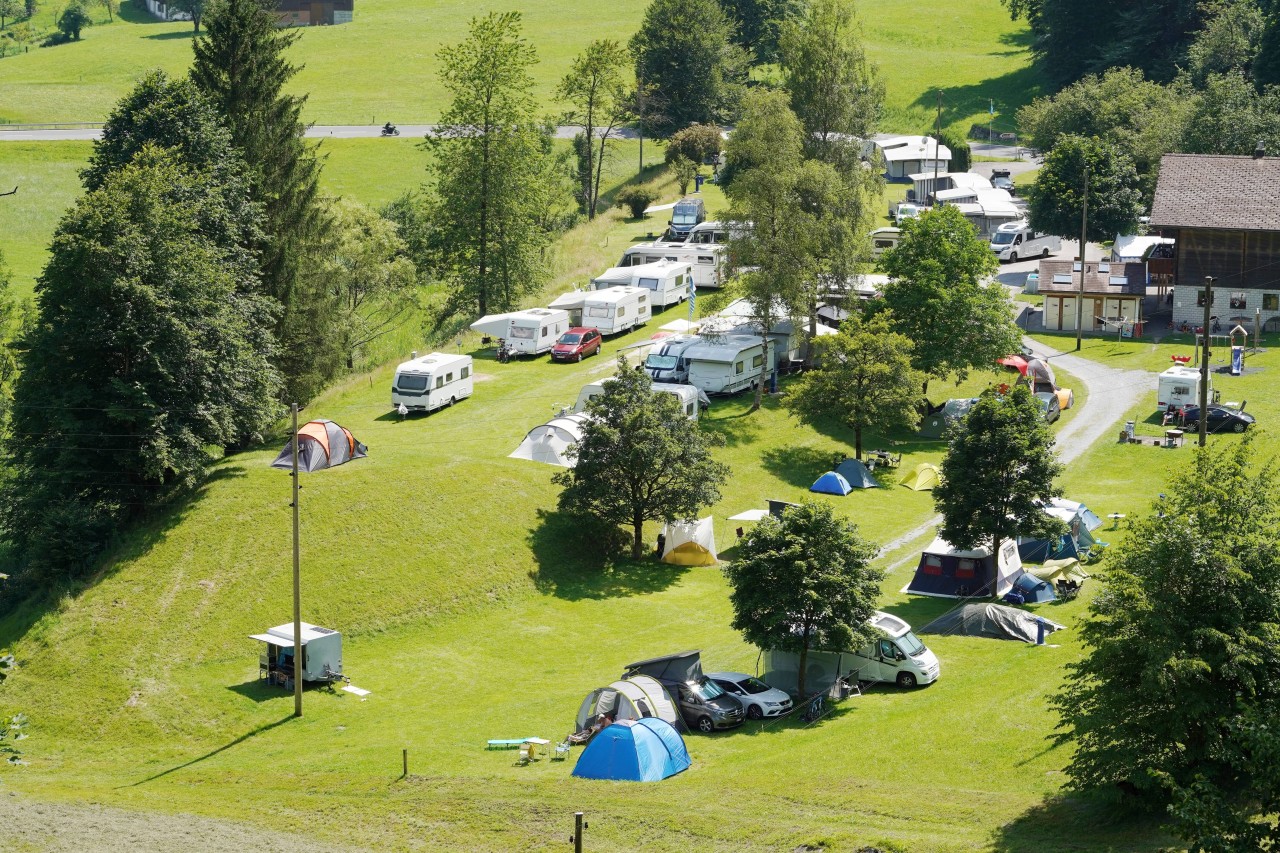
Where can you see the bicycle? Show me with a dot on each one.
(817, 708)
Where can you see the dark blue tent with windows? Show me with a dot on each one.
(831, 483)
(857, 475)
(1033, 590)
(645, 750)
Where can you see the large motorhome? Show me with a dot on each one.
(528, 332)
(896, 655)
(616, 309)
(431, 381)
(666, 363)
(726, 365)
(667, 281)
(1014, 240)
(706, 263)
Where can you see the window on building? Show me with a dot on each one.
(1271, 302)
(1238, 300)
(1200, 298)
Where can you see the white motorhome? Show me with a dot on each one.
(667, 281)
(1015, 240)
(706, 262)
(528, 332)
(884, 239)
(725, 365)
(429, 382)
(896, 656)
(616, 309)
(1179, 386)
(691, 399)
(666, 363)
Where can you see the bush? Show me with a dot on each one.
(72, 20)
(636, 200)
(700, 143)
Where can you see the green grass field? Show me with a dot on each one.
(383, 66)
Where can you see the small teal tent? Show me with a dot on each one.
(831, 483)
(645, 750)
(857, 475)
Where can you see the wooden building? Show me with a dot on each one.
(1113, 295)
(306, 13)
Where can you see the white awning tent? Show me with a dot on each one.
(549, 443)
(750, 515)
(680, 326)
(690, 543)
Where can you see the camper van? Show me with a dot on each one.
(884, 239)
(432, 381)
(616, 309)
(687, 213)
(667, 281)
(1014, 240)
(896, 655)
(726, 365)
(530, 332)
(1180, 386)
(692, 401)
(706, 262)
(667, 363)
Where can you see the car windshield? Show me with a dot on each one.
(681, 217)
(412, 381)
(569, 339)
(661, 362)
(1003, 238)
(910, 644)
(706, 690)
(754, 686)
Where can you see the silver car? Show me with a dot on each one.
(759, 699)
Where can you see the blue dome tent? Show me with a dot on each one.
(857, 475)
(831, 483)
(646, 750)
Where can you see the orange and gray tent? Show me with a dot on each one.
(321, 444)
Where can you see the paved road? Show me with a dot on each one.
(319, 131)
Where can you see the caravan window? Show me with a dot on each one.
(598, 311)
(544, 331)
(650, 283)
(689, 409)
(622, 309)
(523, 332)
(466, 371)
(757, 361)
(641, 299)
(887, 650)
(439, 381)
(448, 377)
(412, 382)
(706, 259)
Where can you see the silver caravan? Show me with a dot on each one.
(726, 365)
(432, 381)
(616, 309)
(667, 362)
(691, 399)
(667, 281)
(706, 263)
(530, 332)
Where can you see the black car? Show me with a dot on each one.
(1221, 419)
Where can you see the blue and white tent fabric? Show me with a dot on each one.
(1081, 523)
(831, 483)
(645, 750)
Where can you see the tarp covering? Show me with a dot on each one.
(831, 483)
(645, 750)
(857, 475)
(995, 621)
(550, 442)
(629, 699)
(321, 444)
(690, 543)
(945, 571)
(921, 478)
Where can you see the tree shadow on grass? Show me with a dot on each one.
(578, 559)
(1083, 823)
(1009, 91)
(797, 466)
(737, 427)
(185, 34)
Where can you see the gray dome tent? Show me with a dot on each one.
(629, 699)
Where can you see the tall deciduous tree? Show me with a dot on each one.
(599, 96)
(1229, 41)
(640, 459)
(685, 57)
(150, 349)
(1177, 698)
(941, 297)
(13, 317)
(489, 148)
(73, 19)
(757, 24)
(998, 474)
(1057, 197)
(803, 582)
(865, 380)
(9, 9)
(1230, 116)
(194, 8)
(834, 90)
(697, 142)
(240, 65)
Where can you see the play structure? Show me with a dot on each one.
(321, 444)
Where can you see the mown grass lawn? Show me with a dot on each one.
(383, 65)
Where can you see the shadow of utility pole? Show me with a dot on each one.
(244, 737)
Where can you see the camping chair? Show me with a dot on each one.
(562, 750)
(1067, 589)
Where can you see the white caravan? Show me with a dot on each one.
(1015, 240)
(666, 363)
(1179, 386)
(896, 655)
(571, 303)
(706, 262)
(691, 399)
(432, 381)
(667, 281)
(528, 332)
(616, 309)
(726, 365)
(884, 239)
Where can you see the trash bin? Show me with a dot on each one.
(697, 182)
(1128, 429)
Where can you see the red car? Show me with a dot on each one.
(577, 343)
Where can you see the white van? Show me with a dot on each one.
(431, 381)
(726, 365)
(896, 656)
(691, 399)
(666, 363)
(706, 262)
(1014, 240)
(530, 332)
(667, 281)
(616, 309)
(1179, 386)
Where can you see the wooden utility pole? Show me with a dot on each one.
(1084, 242)
(1204, 362)
(297, 579)
(937, 139)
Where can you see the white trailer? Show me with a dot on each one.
(528, 332)
(432, 381)
(726, 365)
(321, 653)
(706, 262)
(667, 281)
(1015, 240)
(1179, 386)
(616, 309)
(691, 399)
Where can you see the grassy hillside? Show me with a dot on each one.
(383, 65)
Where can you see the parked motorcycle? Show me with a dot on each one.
(505, 353)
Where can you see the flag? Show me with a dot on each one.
(991, 107)
(693, 297)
